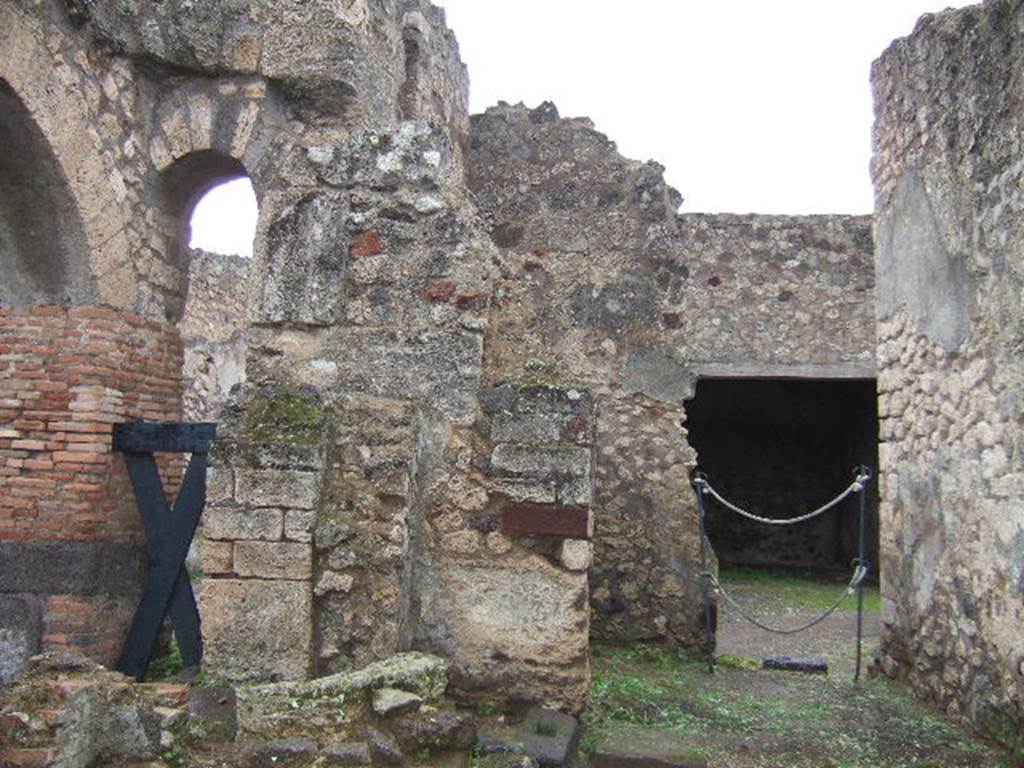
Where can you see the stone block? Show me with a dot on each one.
(220, 485)
(216, 557)
(578, 492)
(257, 630)
(532, 461)
(307, 260)
(506, 619)
(391, 701)
(530, 428)
(281, 753)
(347, 754)
(575, 554)
(332, 581)
(497, 399)
(548, 736)
(299, 524)
(612, 757)
(383, 748)
(441, 729)
(792, 664)
(240, 524)
(277, 488)
(213, 713)
(273, 560)
(520, 489)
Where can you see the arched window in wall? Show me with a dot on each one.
(224, 220)
(43, 253)
(214, 209)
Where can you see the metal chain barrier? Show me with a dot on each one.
(700, 480)
(709, 582)
(859, 573)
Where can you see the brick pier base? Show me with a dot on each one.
(71, 546)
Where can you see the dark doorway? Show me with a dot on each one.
(781, 448)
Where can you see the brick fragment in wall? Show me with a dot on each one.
(542, 520)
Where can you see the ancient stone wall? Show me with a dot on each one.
(438, 393)
(213, 329)
(950, 221)
(603, 285)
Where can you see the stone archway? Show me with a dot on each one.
(42, 242)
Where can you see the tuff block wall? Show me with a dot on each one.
(948, 176)
(70, 533)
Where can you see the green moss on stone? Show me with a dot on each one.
(286, 417)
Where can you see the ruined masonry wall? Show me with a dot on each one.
(70, 533)
(948, 176)
(213, 329)
(603, 285)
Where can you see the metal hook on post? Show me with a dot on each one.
(699, 481)
(863, 474)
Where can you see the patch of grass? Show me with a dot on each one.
(164, 666)
(175, 757)
(736, 662)
(798, 590)
(664, 699)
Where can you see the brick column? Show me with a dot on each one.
(71, 543)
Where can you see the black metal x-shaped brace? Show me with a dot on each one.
(169, 533)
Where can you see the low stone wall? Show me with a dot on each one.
(948, 177)
(71, 554)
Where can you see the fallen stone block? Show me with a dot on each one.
(347, 754)
(281, 753)
(213, 713)
(441, 730)
(391, 701)
(547, 736)
(327, 707)
(383, 748)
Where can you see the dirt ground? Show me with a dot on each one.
(789, 605)
(652, 701)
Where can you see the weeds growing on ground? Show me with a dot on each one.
(798, 591)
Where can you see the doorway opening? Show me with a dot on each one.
(781, 448)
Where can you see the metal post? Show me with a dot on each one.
(705, 576)
(863, 474)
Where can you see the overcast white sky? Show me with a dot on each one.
(752, 105)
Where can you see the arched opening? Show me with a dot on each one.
(43, 257)
(213, 210)
(188, 182)
(224, 219)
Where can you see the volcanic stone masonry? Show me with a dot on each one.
(453, 392)
(950, 223)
